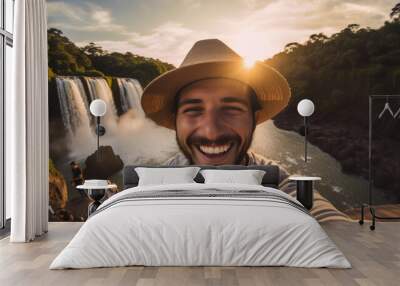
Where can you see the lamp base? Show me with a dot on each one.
(96, 195)
(100, 130)
(305, 194)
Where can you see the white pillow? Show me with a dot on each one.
(163, 176)
(248, 177)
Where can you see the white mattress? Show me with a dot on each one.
(202, 231)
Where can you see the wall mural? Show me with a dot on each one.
(100, 52)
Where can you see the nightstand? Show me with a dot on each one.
(96, 193)
(305, 194)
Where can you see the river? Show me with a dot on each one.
(287, 148)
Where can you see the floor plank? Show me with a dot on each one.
(375, 256)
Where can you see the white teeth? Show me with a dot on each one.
(215, 149)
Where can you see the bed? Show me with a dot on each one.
(198, 224)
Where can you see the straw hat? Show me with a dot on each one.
(213, 59)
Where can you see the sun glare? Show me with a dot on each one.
(249, 62)
(247, 46)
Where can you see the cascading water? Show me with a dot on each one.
(74, 106)
(132, 136)
(130, 92)
(75, 102)
(98, 88)
(122, 97)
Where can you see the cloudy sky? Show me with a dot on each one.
(166, 29)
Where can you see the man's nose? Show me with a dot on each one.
(211, 126)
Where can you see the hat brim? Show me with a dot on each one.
(270, 86)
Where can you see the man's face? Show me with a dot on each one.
(214, 122)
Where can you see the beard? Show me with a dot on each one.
(194, 141)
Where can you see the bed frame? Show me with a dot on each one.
(270, 179)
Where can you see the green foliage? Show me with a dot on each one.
(65, 58)
(338, 72)
(93, 73)
(50, 74)
(127, 65)
(109, 81)
(53, 170)
(93, 50)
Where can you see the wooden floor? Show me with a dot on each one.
(381, 211)
(375, 257)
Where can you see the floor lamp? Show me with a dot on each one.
(98, 108)
(304, 192)
(305, 109)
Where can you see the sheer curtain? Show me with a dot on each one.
(27, 124)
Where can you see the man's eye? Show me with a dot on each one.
(233, 109)
(193, 110)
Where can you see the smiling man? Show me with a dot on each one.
(214, 102)
(215, 120)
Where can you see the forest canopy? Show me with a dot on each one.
(341, 70)
(338, 73)
(67, 59)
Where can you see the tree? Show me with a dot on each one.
(395, 14)
(291, 47)
(342, 69)
(55, 31)
(353, 27)
(318, 38)
(93, 50)
(65, 58)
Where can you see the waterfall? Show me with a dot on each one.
(135, 138)
(74, 106)
(123, 98)
(74, 101)
(76, 93)
(98, 88)
(130, 92)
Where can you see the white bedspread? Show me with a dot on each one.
(205, 230)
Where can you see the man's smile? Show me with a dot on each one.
(215, 153)
(215, 149)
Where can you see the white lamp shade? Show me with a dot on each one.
(98, 107)
(305, 107)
